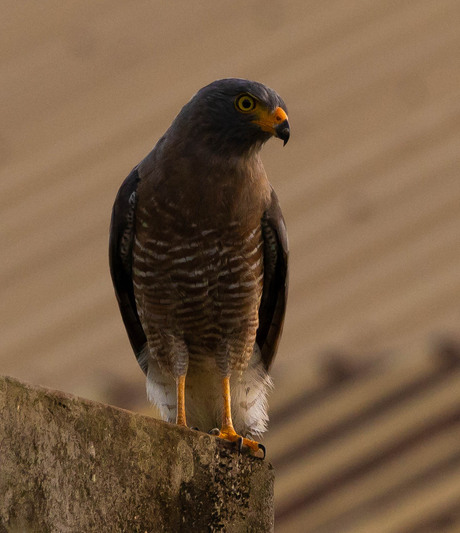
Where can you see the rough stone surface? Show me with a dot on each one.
(72, 465)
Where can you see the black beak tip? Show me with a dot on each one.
(283, 132)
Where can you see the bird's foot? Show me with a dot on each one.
(256, 449)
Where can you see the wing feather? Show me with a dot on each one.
(122, 228)
(273, 303)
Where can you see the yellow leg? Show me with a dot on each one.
(180, 387)
(228, 432)
(227, 423)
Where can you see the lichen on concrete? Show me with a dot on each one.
(71, 465)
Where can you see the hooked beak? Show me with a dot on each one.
(275, 123)
(283, 131)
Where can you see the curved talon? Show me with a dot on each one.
(240, 444)
(264, 451)
(195, 428)
(214, 431)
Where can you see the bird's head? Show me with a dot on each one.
(234, 115)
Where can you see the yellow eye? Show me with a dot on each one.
(245, 103)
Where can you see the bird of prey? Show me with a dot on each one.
(198, 258)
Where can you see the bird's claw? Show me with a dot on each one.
(256, 449)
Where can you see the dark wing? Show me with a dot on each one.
(122, 227)
(274, 296)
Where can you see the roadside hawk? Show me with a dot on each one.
(198, 258)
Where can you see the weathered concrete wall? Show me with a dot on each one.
(71, 465)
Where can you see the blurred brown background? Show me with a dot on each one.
(366, 415)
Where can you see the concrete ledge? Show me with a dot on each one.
(72, 465)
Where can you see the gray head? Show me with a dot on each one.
(234, 116)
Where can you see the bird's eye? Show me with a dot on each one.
(245, 103)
